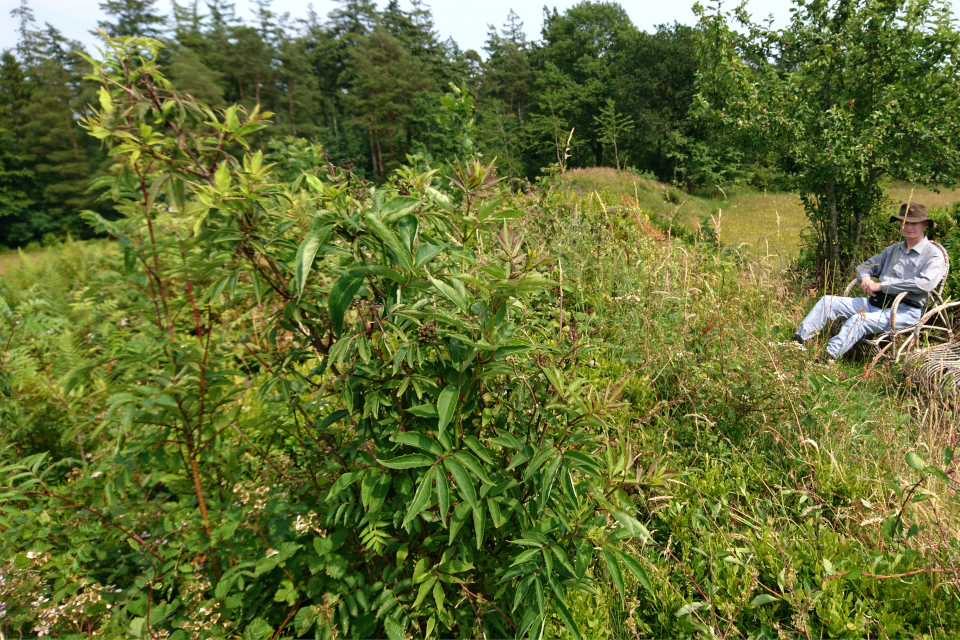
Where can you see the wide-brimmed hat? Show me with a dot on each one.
(915, 212)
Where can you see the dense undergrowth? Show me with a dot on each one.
(296, 406)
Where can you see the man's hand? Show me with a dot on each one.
(869, 286)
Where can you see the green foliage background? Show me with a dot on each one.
(365, 83)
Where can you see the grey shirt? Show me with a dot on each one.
(918, 271)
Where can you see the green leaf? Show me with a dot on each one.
(689, 608)
(222, 176)
(443, 493)
(341, 297)
(564, 614)
(305, 618)
(418, 440)
(258, 629)
(450, 294)
(470, 462)
(632, 525)
(446, 406)
(462, 478)
(420, 500)
(398, 207)
(762, 599)
(426, 253)
(915, 461)
(424, 411)
(394, 629)
(344, 481)
(538, 460)
(455, 565)
(458, 518)
(306, 254)
(478, 448)
(411, 461)
(614, 567)
(938, 473)
(637, 569)
(504, 216)
(400, 252)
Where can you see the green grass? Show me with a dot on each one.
(10, 261)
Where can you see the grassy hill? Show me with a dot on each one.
(765, 224)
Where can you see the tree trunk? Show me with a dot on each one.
(833, 234)
(598, 152)
(373, 155)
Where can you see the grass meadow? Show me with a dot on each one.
(784, 497)
(766, 225)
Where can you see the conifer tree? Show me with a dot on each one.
(133, 18)
(19, 189)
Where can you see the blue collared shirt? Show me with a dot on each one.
(917, 271)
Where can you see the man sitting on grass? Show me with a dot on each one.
(915, 266)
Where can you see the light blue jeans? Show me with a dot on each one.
(862, 319)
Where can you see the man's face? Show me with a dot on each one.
(912, 231)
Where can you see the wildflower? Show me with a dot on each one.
(96, 474)
(272, 552)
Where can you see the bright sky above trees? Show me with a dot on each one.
(465, 22)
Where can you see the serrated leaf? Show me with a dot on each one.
(470, 462)
(258, 629)
(398, 207)
(400, 252)
(632, 525)
(344, 481)
(688, 609)
(418, 440)
(462, 478)
(450, 294)
(421, 499)
(458, 518)
(477, 447)
(424, 411)
(409, 461)
(305, 618)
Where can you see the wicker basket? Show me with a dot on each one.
(935, 370)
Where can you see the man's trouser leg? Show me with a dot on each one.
(868, 321)
(862, 319)
(828, 309)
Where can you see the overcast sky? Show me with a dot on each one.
(465, 20)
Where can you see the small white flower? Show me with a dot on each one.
(272, 552)
(96, 474)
